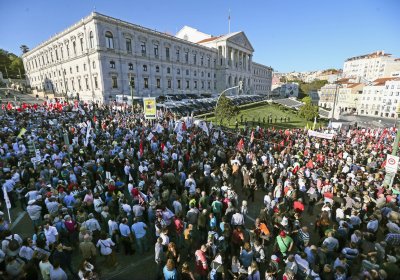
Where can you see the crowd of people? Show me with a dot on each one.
(99, 182)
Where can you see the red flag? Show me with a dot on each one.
(282, 143)
(310, 164)
(141, 147)
(252, 136)
(183, 126)
(240, 145)
(95, 119)
(9, 106)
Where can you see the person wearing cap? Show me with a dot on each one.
(284, 243)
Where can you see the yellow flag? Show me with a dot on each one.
(22, 132)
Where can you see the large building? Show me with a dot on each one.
(346, 92)
(381, 98)
(371, 66)
(100, 56)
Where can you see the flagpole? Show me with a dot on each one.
(229, 22)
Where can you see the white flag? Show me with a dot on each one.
(150, 136)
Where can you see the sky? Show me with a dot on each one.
(289, 35)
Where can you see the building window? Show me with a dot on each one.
(158, 83)
(79, 84)
(195, 73)
(208, 62)
(187, 72)
(112, 64)
(179, 84)
(167, 53)
(156, 51)
(144, 68)
(67, 53)
(202, 84)
(81, 42)
(201, 60)
(94, 65)
(168, 70)
(114, 82)
(128, 44)
(146, 82)
(187, 84)
(109, 40)
(169, 83)
(209, 85)
(195, 84)
(143, 48)
(130, 66)
(87, 83)
(70, 70)
(77, 69)
(73, 84)
(178, 71)
(187, 57)
(177, 55)
(84, 66)
(91, 40)
(215, 84)
(194, 59)
(202, 74)
(158, 69)
(73, 47)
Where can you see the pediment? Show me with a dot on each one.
(241, 39)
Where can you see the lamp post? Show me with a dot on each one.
(335, 97)
(240, 86)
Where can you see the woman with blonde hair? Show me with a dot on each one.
(186, 274)
(254, 273)
(169, 270)
(173, 253)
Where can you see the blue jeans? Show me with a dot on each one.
(142, 244)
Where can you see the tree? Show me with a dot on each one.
(11, 65)
(309, 111)
(24, 48)
(225, 109)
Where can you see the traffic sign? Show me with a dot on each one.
(392, 163)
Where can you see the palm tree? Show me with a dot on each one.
(24, 48)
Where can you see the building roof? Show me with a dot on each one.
(370, 55)
(209, 39)
(352, 85)
(382, 81)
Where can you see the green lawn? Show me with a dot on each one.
(263, 111)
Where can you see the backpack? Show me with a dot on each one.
(13, 244)
(257, 256)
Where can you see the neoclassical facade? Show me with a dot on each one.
(100, 56)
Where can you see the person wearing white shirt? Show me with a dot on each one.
(51, 234)
(164, 237)
(45, 267)
(32, 195)
(26, 251)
